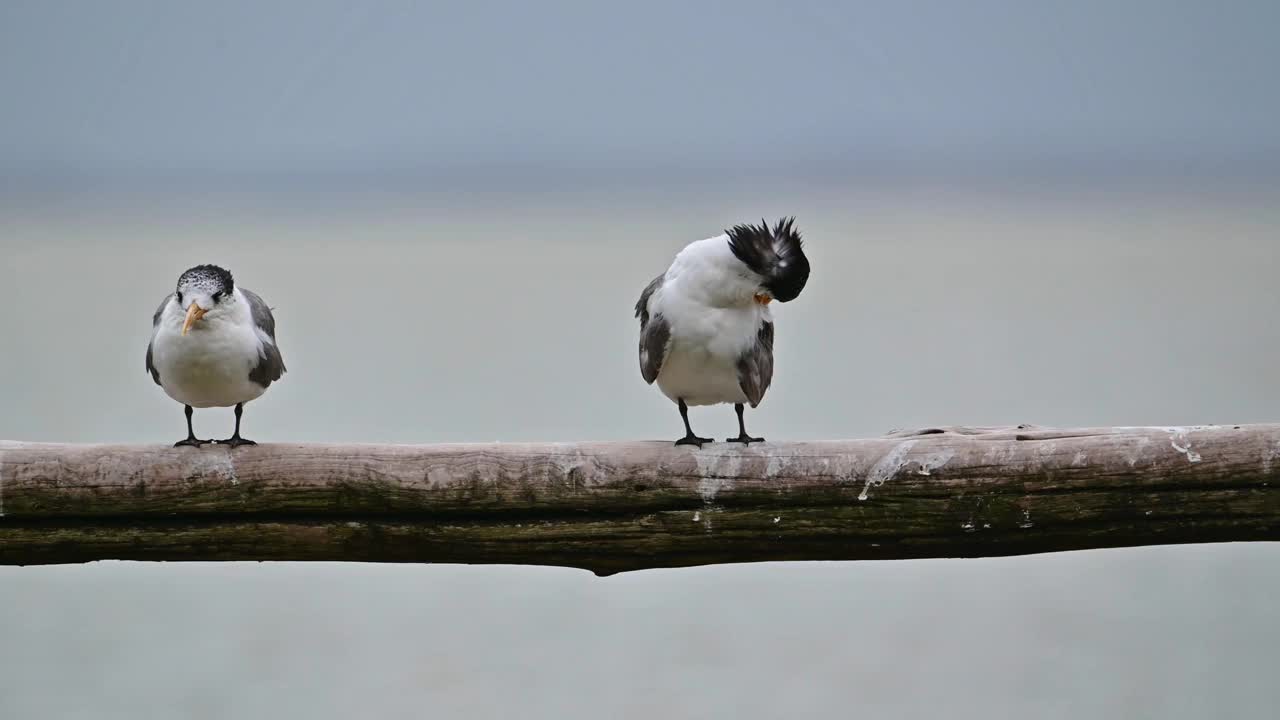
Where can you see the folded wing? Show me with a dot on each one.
(155, 322)
(655, 334)
(270, 363)
(755, 365)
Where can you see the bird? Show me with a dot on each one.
(213, 344)
(706, 329)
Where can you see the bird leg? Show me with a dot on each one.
(191, 440)
(235, 440)
(689, 438)
(743, 437)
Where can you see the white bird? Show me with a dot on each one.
(706, 330)
(213, 345)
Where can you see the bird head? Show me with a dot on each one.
(203, 292)
(775, 255)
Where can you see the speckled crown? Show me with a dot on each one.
(210, 278)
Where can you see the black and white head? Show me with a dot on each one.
(775, 254)
(204, 291)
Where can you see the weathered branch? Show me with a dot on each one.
(611, 507)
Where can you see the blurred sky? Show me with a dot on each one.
(155, 93)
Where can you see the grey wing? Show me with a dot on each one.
(155, 321)
(755, 365)
(655, 334)
(270, 363)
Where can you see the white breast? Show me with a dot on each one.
(707, 299)
(210, 365)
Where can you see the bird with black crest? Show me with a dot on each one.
(706, 329)
(213, 344)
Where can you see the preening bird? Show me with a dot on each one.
(706, 330)
(213, 345)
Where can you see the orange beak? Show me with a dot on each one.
(763, 299)
(194, 313)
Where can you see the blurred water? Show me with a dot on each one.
(430, 317)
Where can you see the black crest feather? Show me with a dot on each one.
(210, 276)
(775, 254)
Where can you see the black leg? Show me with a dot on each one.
(743, 437)
(191, 440)
(689, 438)
(236, 440)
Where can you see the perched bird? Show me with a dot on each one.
(706, 330)
(213, 345)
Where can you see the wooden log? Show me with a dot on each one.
(613, 507)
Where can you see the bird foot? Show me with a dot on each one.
(745, 439)
(192, 442)
(693, 440)
(236, 441)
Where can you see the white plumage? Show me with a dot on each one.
(213, 345)
(707, 298)
(210, 365)
(706, 331)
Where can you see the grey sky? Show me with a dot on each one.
(181, 89)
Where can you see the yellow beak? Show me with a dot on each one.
(194, 313)
(763, 299)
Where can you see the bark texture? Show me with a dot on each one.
(613, 507)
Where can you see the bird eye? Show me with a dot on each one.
(179, 297)
(217, 296)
